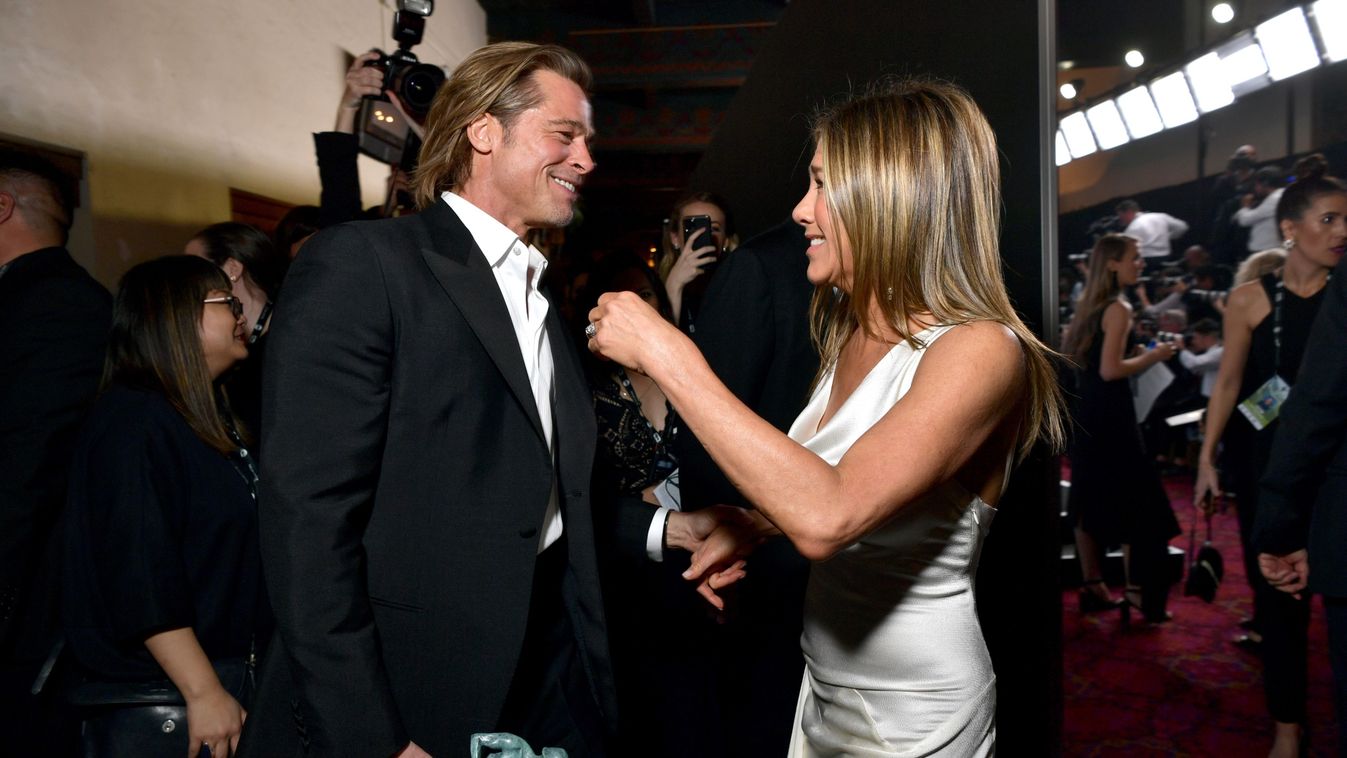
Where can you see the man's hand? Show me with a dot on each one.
(1288, 573)
(688, 530)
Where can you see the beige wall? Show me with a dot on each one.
(176, 102)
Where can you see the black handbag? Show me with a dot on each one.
(1206, 567)
(146, 718)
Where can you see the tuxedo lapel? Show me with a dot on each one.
(461, 269)
(574, 405)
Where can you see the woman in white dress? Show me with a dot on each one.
(931, 386)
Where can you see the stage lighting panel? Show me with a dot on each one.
(1330, 18)
(1139, 113)
(1287, 44)
(1107, 125)
(1174, 100)
(1079, 138)
(1061, 154)
(1211, 90)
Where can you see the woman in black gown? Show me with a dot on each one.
(1116, 492)
(1267, 324)
(162, 584)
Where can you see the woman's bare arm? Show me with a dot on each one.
(967, 384)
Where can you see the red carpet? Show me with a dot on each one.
(1181, 688)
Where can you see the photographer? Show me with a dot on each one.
(337, 150)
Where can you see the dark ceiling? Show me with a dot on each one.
(666, 72)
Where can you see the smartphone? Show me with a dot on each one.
(690, 226)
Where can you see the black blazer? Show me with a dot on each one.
(1303, 502)
(754, 331)
(404, 487)
(54, 321)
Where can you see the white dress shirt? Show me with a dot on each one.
(1153, 232)
(1262, 222)
(518, 268)
(1205, 365)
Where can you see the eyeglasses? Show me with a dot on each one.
(235, 305)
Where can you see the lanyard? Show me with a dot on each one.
(261, 325)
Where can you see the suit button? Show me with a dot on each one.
(529, 532)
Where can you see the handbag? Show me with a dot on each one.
(146, 718)
(1206, 567)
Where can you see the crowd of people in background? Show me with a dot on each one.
(1226, 338)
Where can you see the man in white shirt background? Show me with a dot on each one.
(1258, 209)
(1153, 231)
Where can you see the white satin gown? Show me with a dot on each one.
(895, 660)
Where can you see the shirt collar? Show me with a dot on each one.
(494, 238)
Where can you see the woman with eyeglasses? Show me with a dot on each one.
(255, 269)
(163, 602)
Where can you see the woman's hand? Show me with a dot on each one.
(696, 253)
(215, 720)
(1207, 488)
(627, 330)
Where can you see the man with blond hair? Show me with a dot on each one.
(425, 509)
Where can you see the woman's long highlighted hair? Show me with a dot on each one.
(912, 177)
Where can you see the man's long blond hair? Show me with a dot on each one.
(912, 177)
(496, 79)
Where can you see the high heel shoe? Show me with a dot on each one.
(1133, 597)
(1092, 602)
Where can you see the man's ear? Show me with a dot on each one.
(484, 133)
(7, 206)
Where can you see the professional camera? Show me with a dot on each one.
(381, 132)
(415, 83)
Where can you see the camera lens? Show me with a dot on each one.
(417, 87)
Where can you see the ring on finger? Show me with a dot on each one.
(591, 329)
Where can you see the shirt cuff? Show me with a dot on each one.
(654, 536)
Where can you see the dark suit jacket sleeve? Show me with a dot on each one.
(53, 357)
(1313, 424)
(325, 400)
(623, 523)
(738, 302)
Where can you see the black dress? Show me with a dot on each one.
(1116, 492)
(160, 533)
(1282, 619)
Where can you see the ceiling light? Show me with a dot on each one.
(1330, 16)
(1222, 13)
(1107, 125)
(1134, 58)
(1061, 155)
(1138, 111)
(1174, 100)
(1068, 91)
(1210, 87)
(1287, 44)
(1079, 138)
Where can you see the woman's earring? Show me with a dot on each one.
(1288, 243)
(888, 294)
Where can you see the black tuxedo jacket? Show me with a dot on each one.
(754, 331)
(54, 322)
(404, 488)
(1303, 502)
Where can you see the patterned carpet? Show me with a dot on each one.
(1181, 688)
